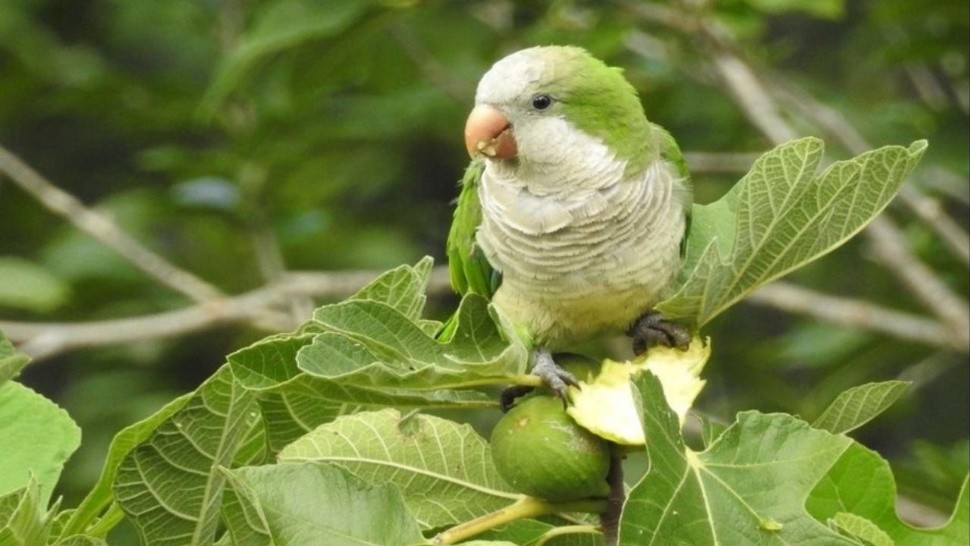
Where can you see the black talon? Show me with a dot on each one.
(650, 330)
(510, 395)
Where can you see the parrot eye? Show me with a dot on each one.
(541, 101)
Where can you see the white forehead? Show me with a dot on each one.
(511, 77)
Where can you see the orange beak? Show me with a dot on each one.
(488, 133)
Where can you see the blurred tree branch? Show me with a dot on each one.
(854, 314)
(105, 230)
(719, 163)
(255, 308)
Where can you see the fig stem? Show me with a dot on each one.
(524, 507)
(610, 518)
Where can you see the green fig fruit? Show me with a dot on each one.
(542, 452)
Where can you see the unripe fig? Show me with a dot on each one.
(542, 452)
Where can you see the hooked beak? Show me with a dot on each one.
(488, 133)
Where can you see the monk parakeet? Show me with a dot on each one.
(572, 213)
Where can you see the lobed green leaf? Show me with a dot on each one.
(402, 288)
(443, 469)
(322, 504)
(166, 485)
(861, 483)
(748, 487)
(779, 217)
(860, 529)
(100, 497)
(23, 518)
(370, 344)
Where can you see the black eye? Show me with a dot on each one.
(541, 101)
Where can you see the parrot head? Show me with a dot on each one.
(531, 105)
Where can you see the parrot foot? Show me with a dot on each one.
(552, 375)
(650, 330)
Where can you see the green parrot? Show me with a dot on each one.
(573, 212)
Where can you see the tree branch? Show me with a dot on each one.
(856, 313)
(45, 340)
(719, 163)
(104, 229)
(931, 213)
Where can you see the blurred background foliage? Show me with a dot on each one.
(241, 139)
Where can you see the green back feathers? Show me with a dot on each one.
(683, 189)
(598, 100)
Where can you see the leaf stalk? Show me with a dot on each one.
(524, 507)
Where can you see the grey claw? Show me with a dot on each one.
(556, 378)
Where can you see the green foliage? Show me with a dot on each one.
(260, 453)
(24, 520)
(11, 361)
(861, 484)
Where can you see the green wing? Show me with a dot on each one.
(470, 271)
(683, 189)
(670, 152)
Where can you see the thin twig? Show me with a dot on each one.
(825, 116)
(436, 73)
(931, 213)
(752, 97)
(855, 314)
(45, 340)
(719, 162)
(105, 230)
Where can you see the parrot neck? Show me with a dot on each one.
(557, 159)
